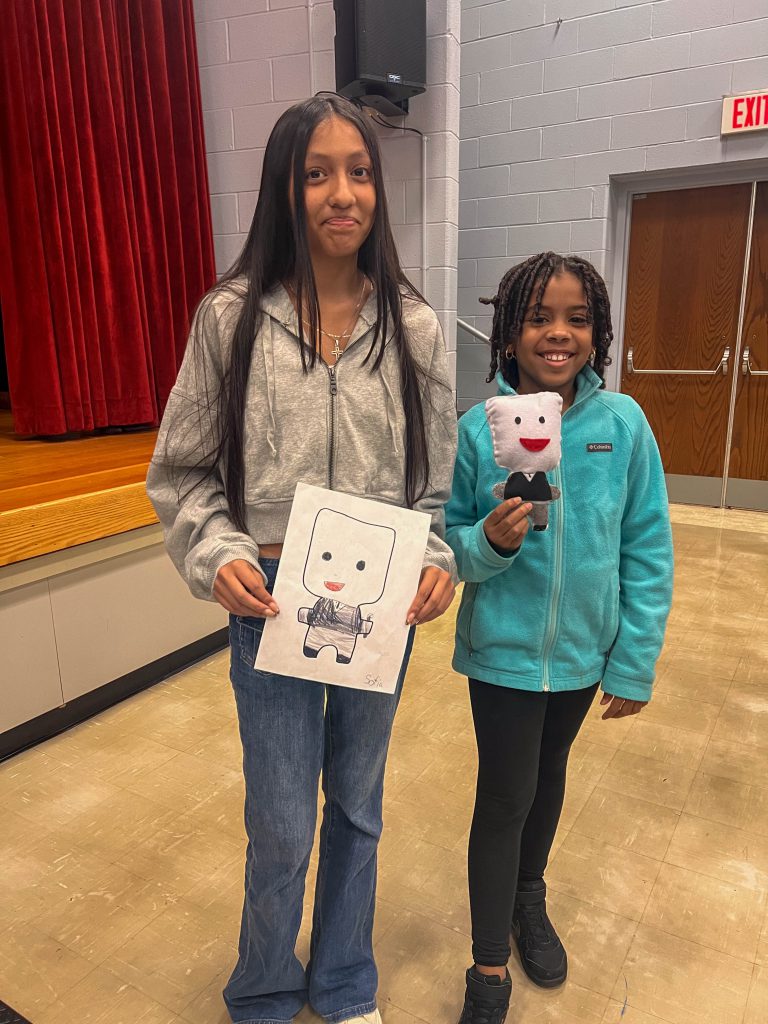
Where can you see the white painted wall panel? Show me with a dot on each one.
(29, 676)
(117, 616)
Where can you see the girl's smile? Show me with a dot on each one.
(556, 357)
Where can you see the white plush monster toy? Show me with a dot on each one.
(347, 566)
(526, 440)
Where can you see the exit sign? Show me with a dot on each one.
(745, 113)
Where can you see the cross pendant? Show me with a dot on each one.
(337, 351)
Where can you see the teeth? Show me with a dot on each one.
(559, 357)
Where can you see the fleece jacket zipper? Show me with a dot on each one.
(557, 586)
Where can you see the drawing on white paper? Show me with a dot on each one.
(346, 568)
(342, 617)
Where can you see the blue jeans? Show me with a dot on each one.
(292, 730)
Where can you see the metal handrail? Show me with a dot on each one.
(472, 330)
(722, 367)
(746, 367)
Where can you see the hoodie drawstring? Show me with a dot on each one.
(391, 413)
(269, 370)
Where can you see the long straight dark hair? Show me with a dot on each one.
(277, 250)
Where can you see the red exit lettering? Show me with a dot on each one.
(749, 112)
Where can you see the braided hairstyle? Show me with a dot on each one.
(515, 294)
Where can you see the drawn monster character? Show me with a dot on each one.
(347, 566)
(526, 440)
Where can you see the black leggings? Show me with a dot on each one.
(523, 742)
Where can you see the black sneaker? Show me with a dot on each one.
(487, 998)
(542, 954)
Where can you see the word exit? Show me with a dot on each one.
(746, 113)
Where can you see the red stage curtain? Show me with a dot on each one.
(105, 233)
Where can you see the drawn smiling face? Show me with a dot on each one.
(526, 431)
(348, 560)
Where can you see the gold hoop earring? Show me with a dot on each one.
(592, 355)
(509, 351)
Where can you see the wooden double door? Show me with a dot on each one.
(696, 338)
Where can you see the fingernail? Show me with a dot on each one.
(410, 620)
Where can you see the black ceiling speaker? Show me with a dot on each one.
(381, 52)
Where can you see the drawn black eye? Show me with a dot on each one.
(518, 421)
(541, 419)
(326, 556)
(361, 566)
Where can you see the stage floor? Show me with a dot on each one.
(55, 494)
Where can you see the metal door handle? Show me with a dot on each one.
(722, 367)
(747, 370)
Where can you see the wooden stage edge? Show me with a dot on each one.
(56, 495)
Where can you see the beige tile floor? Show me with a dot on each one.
(121, 842)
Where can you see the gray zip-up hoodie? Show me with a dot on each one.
(341, 427)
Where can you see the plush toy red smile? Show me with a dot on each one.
(534, 444)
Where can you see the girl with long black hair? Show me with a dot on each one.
(313, 359)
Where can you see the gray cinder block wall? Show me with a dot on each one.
(257, 57)
(558, 97)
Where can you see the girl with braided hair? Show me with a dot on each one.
(548, 617)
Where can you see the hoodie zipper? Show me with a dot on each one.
(556, 587)
(332, 438)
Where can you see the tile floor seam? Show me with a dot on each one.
(702, 946)
(719, 821)
(695, 942)
(749, 992)
(672, 836)
(94, 968)
(143, 991)
(631, 921)
(622, 971)
(727, 778)
(763, 787)
(762, 892)
(666, 765)
(404, 1009)
(682, 728)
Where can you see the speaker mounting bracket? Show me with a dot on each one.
(386, 107)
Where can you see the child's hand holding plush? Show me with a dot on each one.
(507, 525)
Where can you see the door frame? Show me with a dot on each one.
(623, 189)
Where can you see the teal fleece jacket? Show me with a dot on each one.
(587, 599)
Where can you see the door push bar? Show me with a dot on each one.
(722, 367)
(746, 368)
